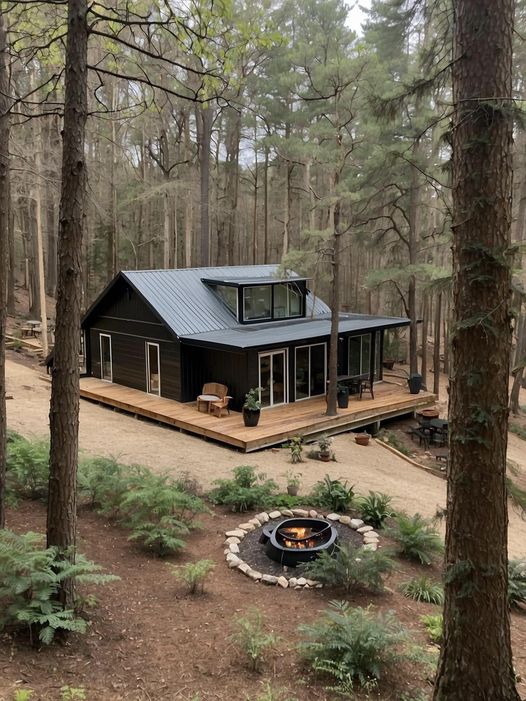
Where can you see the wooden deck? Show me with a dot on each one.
(275, 426)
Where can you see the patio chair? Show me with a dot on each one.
(216, 408)
(211, 392)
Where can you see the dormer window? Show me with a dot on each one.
(262, 299)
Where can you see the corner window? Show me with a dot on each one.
(228, 295)
(287, 301)
(257, 302)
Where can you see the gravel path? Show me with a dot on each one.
(107, 432)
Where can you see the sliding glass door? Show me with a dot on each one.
(311, 370)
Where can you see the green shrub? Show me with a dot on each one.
(30, 577)
(350, 567)
(423, 589)
(157, 512)
(352, 645)
(375, 508)
(193, 574)
(295, 445)
(104, 482)
(247, 490)
(251, 638)
(286, 501)
(332, 494)
(416, 538)
(516, 583)
(28, 467)
(434, 627)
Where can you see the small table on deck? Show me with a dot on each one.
(208, 398)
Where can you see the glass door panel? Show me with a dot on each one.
(273, 378)
(302, 372)
(317, 370)
(106, 367)
(153, 375)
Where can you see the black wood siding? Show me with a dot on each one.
(201, 365)
(130, 322)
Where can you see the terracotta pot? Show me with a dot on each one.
(325, 457)
(429, 413)
(362, 438)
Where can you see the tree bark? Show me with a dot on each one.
(476, 659)
(205, 120)
(64, 407)
(436, 347)
(4, 245)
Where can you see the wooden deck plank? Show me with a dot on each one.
(276, 425)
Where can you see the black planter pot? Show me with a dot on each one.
(343, 398)
(415, 383)
(251, 416)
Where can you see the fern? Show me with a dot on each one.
(28, 467)
(350, 567)
(251, 638)
(247, 490)
(416, 538)
(352, 645)
(193, 574)
(434, 627)
(30, 578)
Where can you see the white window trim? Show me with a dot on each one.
(279, 351)
(106, 335)
(147, 345)
(309, 346)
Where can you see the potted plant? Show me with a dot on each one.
(391, 349)
(342, 393)
(362, 438)
(252, 407)
(324, 444)
(293, 482)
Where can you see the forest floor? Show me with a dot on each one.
(143, 645)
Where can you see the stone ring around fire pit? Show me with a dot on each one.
(317, 524)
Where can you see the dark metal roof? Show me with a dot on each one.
(260, 335)
(188, 307)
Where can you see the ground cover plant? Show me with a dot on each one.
(252, 638)
(416, 538)
(30, 576)
(433, 624)
(193, 574)
(375, 508)
(351, 567)
(352, 646)
(332, 494)
(423, 589)
(246, 490)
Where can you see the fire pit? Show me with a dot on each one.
(298, 540)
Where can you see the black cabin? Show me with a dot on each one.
(168, 332)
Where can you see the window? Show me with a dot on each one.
(257, 302)
(287, 300)
(311, 370)
(228, 296)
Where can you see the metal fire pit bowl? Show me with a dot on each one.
(297, 540)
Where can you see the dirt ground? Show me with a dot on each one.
(111, 433)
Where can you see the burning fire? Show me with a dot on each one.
(301, 537)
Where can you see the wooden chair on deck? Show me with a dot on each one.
(212, 392)
(216, 408)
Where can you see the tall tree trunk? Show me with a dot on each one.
(40, 247)
(64, 407)
(414, 201)
(332, 394)
(425, 331)
(475, 658)
(436, 347)
(265, 206)
(4, 245)
(205, 120)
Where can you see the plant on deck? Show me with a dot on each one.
(247, 490)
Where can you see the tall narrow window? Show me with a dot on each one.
(153, 369)
(106, 365)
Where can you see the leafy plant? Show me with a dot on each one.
(293, 478)
(247, 490)
(423, 589)
(416, 538)
(333, 494)
(324, 443)
(434, 626)
(252, 400)
(28, 467)
(30, 577)
(193, 574)
(352, 645)
(375, 508)
(104, 482)
(72, 693)
(251, 638)
(23, 694)
(516, 583)
(350, 567)
(295, 446)
(158, 512)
